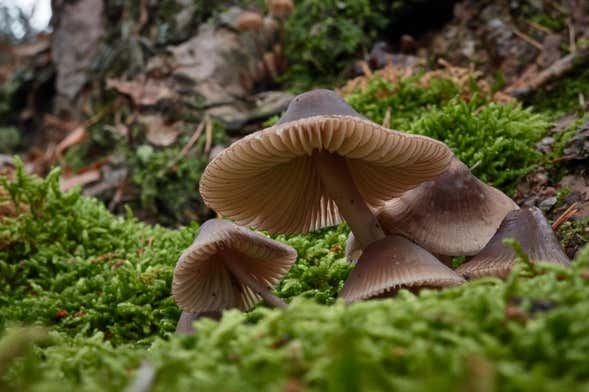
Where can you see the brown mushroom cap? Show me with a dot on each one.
(202, 282)
(393, 263)
(249, 21)
(455, 214)
(533, 232)
(268, 179)
(280, 8)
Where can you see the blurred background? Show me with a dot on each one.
(132, 98)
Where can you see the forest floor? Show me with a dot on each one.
(88, 245)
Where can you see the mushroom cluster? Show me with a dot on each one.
(405, 198)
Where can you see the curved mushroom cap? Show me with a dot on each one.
(533, 232)
(392, 263)
(280, 8)
(202, 282)
(249, 21)
(454, 215)
(268, 179)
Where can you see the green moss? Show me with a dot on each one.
(549, 21)
(321, 37)
(562, 97)
(9, 139)
(498, 139)
(444, 340)
(68, 263)
(407, 100)
(574, 233)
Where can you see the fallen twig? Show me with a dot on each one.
(197, 133)
(529, 39)
(538, 27)
(565, 216)
(208, 134)
(386, 122)
(556, 70)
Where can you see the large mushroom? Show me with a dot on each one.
(392, 263)
(455, 214)
(322, 161)
(229, 266)
(530, 228)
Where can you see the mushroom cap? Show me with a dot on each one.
(392, 263)
(530, 228)
(280, 8)
(201, 280)
(268, 179)
(249, 21)
(455, 214)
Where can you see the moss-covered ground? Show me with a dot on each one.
(85, 296)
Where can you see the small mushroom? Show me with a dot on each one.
(455, 214)
(322, 161)
(249, 21)
(229, 266)
(392, 263)
(280, 8)
(530, 228)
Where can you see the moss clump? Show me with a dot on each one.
(101, 287)
(574, 234)
(523, 334)
(499, 139)
(561, 97)
(68, 263)
(321, 37)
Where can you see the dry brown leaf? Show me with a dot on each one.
(143, 91)
(159, 133)
(67, 183)
(50, 120)
(77, 136)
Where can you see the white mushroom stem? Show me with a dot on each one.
(236, 268)
(339, 185)
(184, 326)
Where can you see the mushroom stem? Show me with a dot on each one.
(339, 185)
(241, 274)
(184, 326)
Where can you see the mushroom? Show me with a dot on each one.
(322, 161)
(530, 228)
(249, 21)
(280, 8)
(455, 214)
(229, 266)
(184, 326)
(393, 263)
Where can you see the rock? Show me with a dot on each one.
(548, 203)
(545, 145)
(578, 146)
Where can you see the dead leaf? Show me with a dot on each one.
(67, 183)
(159, 133)
(77, 136)
(143, 91)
